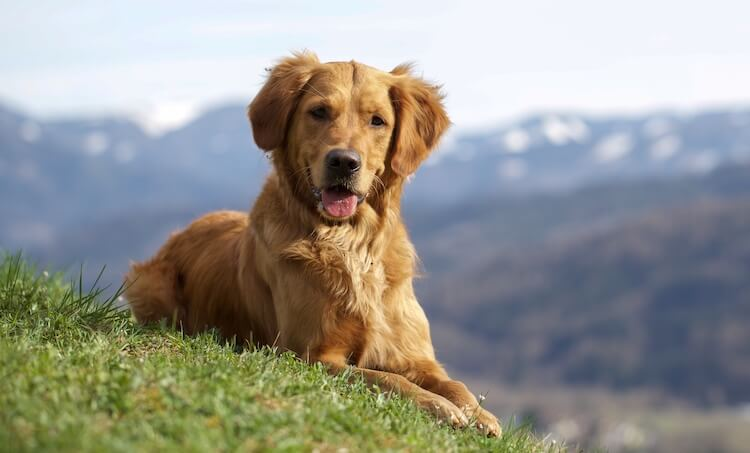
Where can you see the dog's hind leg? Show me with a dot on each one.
(153, 290)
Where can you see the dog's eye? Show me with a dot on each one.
(377, 121)
(319, 113)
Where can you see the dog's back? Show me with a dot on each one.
(174, 284)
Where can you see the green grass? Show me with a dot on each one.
(77, 374)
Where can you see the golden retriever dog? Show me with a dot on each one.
(323, 265)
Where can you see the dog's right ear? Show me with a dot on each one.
(274, 104)
(420, 120)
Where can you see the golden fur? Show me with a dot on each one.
(338, 291)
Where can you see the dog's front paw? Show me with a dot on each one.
(444, 410)
(484, 421)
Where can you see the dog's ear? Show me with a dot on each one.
(272, 107)
(420, 120)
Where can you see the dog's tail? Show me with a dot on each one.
(153, 292)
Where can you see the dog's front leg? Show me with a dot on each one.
(437, 405)
(459, 394)
(432, 377)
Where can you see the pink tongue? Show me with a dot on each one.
(339, 204)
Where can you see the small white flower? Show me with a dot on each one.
(45, 274)
(481, 397)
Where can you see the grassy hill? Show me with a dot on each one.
(79, 375)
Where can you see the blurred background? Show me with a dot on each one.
(584, 228)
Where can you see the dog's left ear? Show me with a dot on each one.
(420, 120)
(274, 104)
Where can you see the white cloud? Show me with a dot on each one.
(495, 62)
(326, 23)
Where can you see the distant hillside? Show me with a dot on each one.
(488, 224)
(448, 238)
(660, 302)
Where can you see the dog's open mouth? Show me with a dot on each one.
(338, 201)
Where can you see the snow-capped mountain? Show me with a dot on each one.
(560, 151)
(60, 173)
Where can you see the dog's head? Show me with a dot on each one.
(341, 131)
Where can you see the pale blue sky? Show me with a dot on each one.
(497, 60)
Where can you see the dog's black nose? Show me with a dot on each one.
(343, 162)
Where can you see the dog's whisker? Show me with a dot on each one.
(379, 182)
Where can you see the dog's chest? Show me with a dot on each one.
(349, 272)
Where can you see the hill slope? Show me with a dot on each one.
(80, 376)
